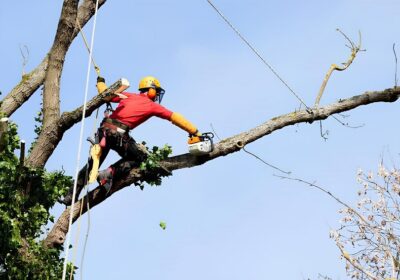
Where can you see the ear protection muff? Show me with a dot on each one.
(152, 93)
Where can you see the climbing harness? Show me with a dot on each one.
(258, 54)
(67, 245)
(109, 109)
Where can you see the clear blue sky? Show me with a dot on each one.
(231, 218)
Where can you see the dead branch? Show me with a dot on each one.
(354, 50)
(395, 64)
(25, 57)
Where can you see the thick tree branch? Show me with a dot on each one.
(26, 87)
(51, 92)
(33, 80)
(225, 147)
(51, 135)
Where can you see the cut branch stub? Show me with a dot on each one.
(3, 133)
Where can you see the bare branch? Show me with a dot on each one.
(354, 50)
(395, 71)
(25, 57)
(266, 163)
(354, 263)
(325, 134)
(323, 190)
(347, 124)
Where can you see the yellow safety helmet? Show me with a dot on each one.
(153, 88)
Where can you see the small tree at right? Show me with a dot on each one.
(369, 235)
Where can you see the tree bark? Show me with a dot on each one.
(33, 80)
(52, 134)
(51, 92)
(227, 146)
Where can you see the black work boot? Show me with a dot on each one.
(105, 179)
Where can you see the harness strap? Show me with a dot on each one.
(113, 124)
(109, 109)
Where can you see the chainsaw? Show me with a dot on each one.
(202, 144)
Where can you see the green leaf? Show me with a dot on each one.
(163, 225)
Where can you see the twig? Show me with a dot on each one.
(354, 50)
(263, 161)
(395, 59)
(319, 188)
(346, 124)
(354, 262)
(323, 134)
(25, 58)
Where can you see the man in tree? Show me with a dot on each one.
(133, 109)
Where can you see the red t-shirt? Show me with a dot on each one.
(137, 108)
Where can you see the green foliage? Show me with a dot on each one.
(163, 225)
(26, 196)
(152, 165)
(39, 123)
(155, 156)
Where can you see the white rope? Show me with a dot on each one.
(257, 53)
(80, 145)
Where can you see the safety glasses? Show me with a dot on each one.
(160, 95)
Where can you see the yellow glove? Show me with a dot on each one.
(101, 84)
(95, 152)
(180, 121)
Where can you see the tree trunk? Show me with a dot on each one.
(32, 81)
(51, 92)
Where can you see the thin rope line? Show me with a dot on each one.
(79, 228)
(87, 46)
(97, 69)
(80, 143)
(86, 236)
(77, 234)
(256, 52)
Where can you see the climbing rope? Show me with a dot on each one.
(78, 233)
(80, 142)
(96, 68)
(257, 53)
